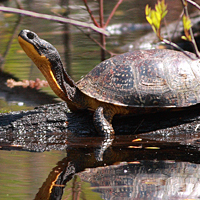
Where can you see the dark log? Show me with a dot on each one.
(52, 126)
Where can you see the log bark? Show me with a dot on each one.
(53, 126)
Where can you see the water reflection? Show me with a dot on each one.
(124, 173)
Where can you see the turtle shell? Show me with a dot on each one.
(145, 78)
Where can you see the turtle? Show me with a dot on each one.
(137, 82)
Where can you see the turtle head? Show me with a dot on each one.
(47, 59)
(40, 51)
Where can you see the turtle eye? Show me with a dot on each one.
(30, 35)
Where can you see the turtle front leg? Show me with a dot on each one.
(102, 120)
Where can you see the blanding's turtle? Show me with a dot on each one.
(141, 81)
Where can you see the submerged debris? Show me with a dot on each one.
(37, 84)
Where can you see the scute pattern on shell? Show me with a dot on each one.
(150, 78)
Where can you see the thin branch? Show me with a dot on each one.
(54, 18)
(177, 47)
(91, 15)
(193, 3)
(177, 24)
(101, 14)
(19, 5)
(102, 37)
(98, 43)
(112, 13)
(191, 32)
(14, 32)
(102, 47)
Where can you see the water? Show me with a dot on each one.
(147, 166)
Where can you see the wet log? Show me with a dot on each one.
(53, 126)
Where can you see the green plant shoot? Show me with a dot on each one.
(186, 25)
(154, 17)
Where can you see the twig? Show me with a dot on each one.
(102, 37)
(14, 32)
(193, 3)
(94, 40)
(101, 14)
(111, 54)
(177, 47)
(19, 5)
(102, 43)
(90, 13)
(191, 32)
(54, 18)
(112, 13)
(177, 24)
(138, 126)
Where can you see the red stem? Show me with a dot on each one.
(101, 13)
(112, 13)
(102, 37)
(91, 15)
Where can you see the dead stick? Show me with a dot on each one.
(53, 18)
(193, 3)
